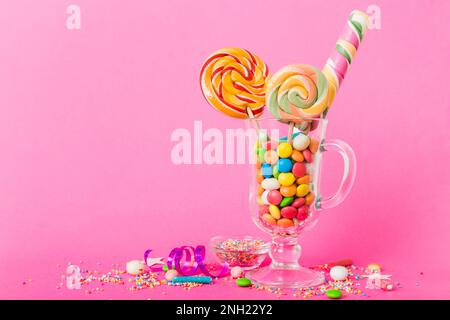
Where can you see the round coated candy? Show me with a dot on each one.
(276, 172)
(259, 176)
(267, 218)
(302, 213)
(285, 222)
(284, 150)
(236, 272)
(270, 184)
(243, 282)
(266, 170)
(288, 191)
(297, 156)
(298, 202)
(259, 190)
(289, 212)
(338, 273)
(274, 197)
(299, 169)
(170, 274)
(274, 211)
(304, 180)
(334, 294)
(286, 201)
(284, 165)
(263, 209)
(260, 153)
(314, 145)
(270, 157)
(302, 190)
(301, 142)
(309, 198)
(264, 197)
(286, 179)
(307, 155)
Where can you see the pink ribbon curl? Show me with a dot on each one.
(194, 260)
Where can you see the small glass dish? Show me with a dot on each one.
(246, 252)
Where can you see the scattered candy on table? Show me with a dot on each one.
(334, 294)
(338, 273)
(243, 282)
(170, 274)
(236, 272)
(135, 267)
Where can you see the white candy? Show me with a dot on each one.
(135, 267)
(301, 142)
(264, 197)
(338, 273)
(170, 274)
(236, 272)
(270, 184)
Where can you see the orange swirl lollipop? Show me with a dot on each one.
(233, 81)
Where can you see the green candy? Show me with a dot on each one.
(260, 152)
(286, 201)
(275, 173)
(165, 268)
(334, 294)
(243, 282)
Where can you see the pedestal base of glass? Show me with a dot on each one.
(285, 271)
(286, 278)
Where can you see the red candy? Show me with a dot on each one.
(302, 213)
(274, 197)
(299, 169)
(289, 212)
(263, 210)
(307, 155)
(298, 202)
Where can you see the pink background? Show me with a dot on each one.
(86, 117)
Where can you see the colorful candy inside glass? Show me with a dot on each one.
(284, 179)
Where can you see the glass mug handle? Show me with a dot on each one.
(348, 177)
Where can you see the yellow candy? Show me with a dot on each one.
(274, 211)
(259, 201)
(284, 150)
(302, 190)
(286, 179)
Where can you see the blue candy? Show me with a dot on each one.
(266, 170)
(284, 165)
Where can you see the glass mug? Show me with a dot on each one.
(285, 197)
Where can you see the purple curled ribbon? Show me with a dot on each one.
(194, 259)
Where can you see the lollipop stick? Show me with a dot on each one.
(252, 118)
(290, 132)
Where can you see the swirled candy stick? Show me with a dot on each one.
(233, 81)
(342, 56)
(296, 93)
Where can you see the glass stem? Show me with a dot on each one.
(285, 252)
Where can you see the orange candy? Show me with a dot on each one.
(297, 156)
(313, 145)
(268, 219)
(258, 164)
(309, 198)
(260, 190)
(304, 180)
(259, 176)
(288, 191)
(285, 222)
